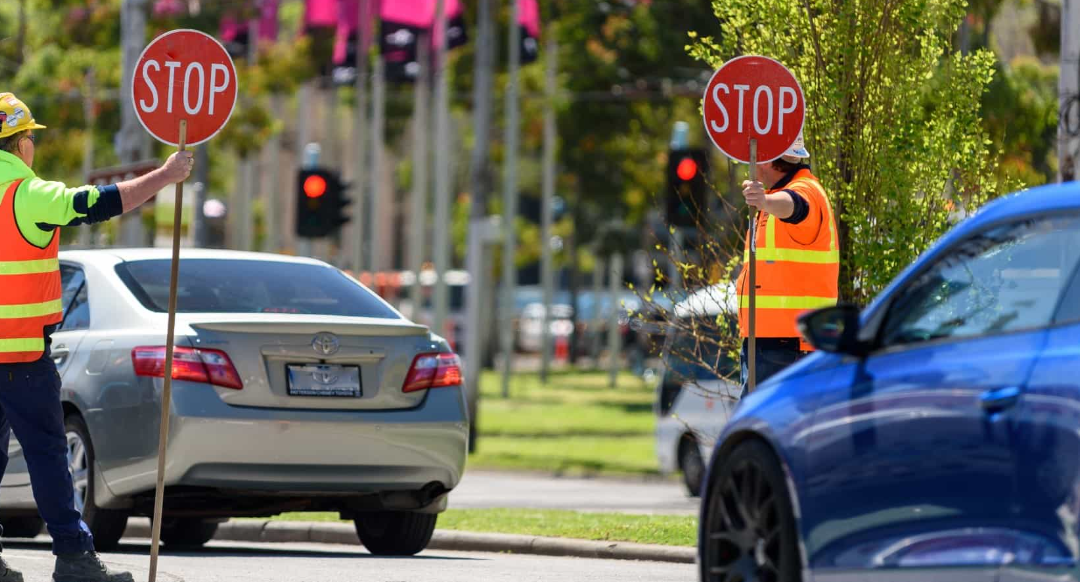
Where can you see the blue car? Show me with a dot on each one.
(934, 435)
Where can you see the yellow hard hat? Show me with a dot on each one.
(15, 116)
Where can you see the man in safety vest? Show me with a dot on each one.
(798, 262)
(31, 214)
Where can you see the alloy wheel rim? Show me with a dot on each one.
(79, 468)
(743, 542)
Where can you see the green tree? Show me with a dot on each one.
(893, 117)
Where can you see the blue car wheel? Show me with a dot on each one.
(749, 529)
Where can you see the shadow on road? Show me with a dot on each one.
(268, 550)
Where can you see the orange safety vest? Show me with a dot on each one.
(30, 290)
(792, 277)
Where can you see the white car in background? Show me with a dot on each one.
(694, 402)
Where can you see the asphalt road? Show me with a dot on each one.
(233, 562)
(481, 490)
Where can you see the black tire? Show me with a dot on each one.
(749, 530)
(395, 533)
(22, 527)
(187, 532)
(691, 465)
(107, 525)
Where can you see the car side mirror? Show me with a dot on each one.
(833, 329)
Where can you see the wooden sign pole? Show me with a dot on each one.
(751, 343)
(166, 394)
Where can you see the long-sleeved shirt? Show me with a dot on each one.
(42, 206)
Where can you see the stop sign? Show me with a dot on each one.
(184, 75)
(753, 97)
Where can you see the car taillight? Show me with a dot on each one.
(193, 365)
(433, 371)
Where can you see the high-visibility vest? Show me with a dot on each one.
(30, 290)
(792, 277)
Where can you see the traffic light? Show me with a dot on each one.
(320, 200)
(686, 193)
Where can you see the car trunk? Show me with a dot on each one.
(306, 361)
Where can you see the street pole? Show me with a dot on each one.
(510, 194)
(547, 268)
(131, 141)
(246, 193)
(358, 216)
(480, 184)
(86, 233)
(751, 343)
(442, 170)
(378, 132)
(613, 335)
(277, 197)
(1069, 91)
(199, 236)
(598, 315)
(421, 160)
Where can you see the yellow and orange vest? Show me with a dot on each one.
(30, 289)
(792, 277)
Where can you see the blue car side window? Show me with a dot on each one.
(1003, 279)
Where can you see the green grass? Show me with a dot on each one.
(575, 425)
(669, 530)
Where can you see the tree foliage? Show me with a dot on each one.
(893, 117)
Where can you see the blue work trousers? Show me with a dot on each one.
(773, 355)
(30, 406)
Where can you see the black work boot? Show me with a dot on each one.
(9, 574)
(86, 567)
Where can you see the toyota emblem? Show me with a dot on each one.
(325, 343)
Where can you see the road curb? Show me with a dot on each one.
(344, 533)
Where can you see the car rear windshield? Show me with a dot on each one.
(238, 286)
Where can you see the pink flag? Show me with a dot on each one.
(348, 18)
(529, 16)
(268, 20)
(320, 14)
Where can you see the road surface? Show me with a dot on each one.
(236, 562)
(483, 489)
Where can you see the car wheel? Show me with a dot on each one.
(187, 532)
(107, 525)
(749, 530)
(395, 533)
(22, 527)
(691, 465)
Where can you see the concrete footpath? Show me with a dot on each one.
(345, 533)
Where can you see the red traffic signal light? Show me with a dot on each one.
(687, 169)
(314, 186)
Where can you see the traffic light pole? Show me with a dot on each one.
(751, 340)
(442, 170)
(547, 269)
(510, 196)
(421, 161)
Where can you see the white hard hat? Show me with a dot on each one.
(797, 151)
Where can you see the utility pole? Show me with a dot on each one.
(1069, 91)
(86, 233)
(278, 196)
(421, 160)
(442, 169)
(131, 142)
(613, 335)
(547, 268)
(378, 132)
(510, 195)
(362, 59)
(249, 185)
(199, 237)
(480, 185)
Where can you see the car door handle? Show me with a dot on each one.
(59, 354)
(994, 401)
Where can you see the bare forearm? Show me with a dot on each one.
(779, 205)
(134, 192)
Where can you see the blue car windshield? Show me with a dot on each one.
(247, 286)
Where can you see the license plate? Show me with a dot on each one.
(324, 380)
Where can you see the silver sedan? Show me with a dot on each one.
(295, 389)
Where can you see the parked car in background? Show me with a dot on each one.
(295, 389)
(531, 326)
(694, 400)
(934, 435)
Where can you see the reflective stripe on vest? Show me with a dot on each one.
(787, 302)
(30, 287)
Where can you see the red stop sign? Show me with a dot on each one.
(753, 97)
(184, 75)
